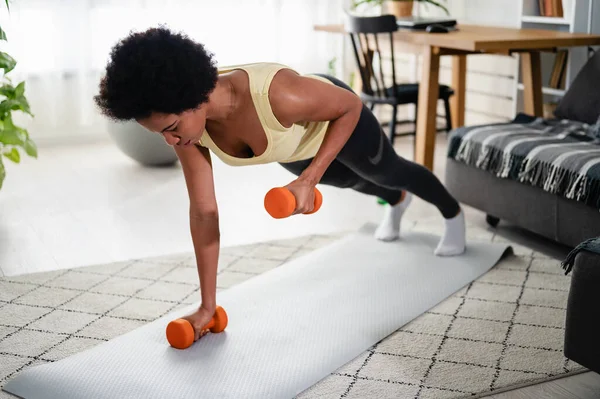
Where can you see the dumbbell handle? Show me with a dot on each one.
(210, 324)
(281, 203)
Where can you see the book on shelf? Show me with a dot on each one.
(551, 8)
(559, 71)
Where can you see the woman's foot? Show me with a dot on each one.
(453, 241)
(389, 228)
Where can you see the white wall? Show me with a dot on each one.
(62, 46)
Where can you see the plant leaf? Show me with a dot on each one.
(7, 62)
(12, 135)
(7, 6)
(2, 173)
(30, 148)
(7, 90)
(3, 34)
(20, 89)
(13, 155)
(7, 105)
(24, 105)
(16, 136)
(15, 104)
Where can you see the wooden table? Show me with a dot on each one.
(474, 39)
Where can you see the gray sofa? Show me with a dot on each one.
(563, 220)
(540, 174)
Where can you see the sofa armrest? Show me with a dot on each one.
(582, 339)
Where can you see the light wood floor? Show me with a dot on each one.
(87, 204)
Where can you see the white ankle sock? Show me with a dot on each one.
(389, 228)
(453, 241)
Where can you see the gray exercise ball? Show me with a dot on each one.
(141, 145)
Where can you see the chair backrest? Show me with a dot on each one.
(364, 33)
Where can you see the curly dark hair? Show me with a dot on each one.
(155, 71)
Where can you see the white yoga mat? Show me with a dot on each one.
(288, 328)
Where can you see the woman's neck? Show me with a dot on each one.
(222, 101)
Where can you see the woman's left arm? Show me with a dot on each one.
(296, 99)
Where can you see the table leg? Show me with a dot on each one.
(531, 69)
(459, 84)
(427, 108)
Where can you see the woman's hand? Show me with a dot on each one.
(304, 191)
(199, 319)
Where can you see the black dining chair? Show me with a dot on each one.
(365, 32)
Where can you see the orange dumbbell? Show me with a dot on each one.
(180, 332)
(281, 203)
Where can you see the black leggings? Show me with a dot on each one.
(369, 164)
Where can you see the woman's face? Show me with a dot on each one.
(177, 129)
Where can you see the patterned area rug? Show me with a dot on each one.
(501, 331)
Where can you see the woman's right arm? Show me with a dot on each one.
(204, 220)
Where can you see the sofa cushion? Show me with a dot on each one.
(559, 156)
(582, 101)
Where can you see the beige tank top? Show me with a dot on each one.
(298, 142)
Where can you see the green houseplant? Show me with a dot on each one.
(12, 98)
(401, 8)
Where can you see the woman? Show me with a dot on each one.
(314, 126)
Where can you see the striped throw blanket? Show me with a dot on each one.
(561, 157)
(591, 245)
